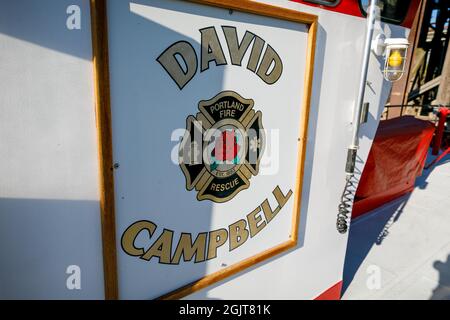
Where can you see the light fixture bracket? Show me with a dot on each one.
(378, 45)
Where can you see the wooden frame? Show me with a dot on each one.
(100, 60)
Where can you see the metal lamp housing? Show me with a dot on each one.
(396, 50)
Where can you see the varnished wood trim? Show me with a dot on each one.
(262, 10)
(303, 135)
(99, 30)
(227, 272)
(311, 21)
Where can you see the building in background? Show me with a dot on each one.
(427, 84)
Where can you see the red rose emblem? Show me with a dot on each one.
(226, 147)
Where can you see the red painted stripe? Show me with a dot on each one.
(333, 293)
(351, 7)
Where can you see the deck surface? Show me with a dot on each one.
(402, 250)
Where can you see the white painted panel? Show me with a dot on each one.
(147, 106)
(49, 210)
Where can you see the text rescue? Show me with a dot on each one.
(206, 243)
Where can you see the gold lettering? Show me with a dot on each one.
(281, 199)
(238, 234)
(217, 238)
(270, 58)
(187, 249)
(237, 50)
(170, 63)
(132, 232)
(253, 220)
(161, 248)
(255, 54)
(211, 49)
(224, 186)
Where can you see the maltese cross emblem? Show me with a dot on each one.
(222, 147)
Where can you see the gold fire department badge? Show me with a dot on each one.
(222, 147)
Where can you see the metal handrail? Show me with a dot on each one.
(435, 107)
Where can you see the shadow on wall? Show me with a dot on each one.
(442, 291)
(43, 23)
(39, 239)
(371, 234)
(47, 152)
(362, 238)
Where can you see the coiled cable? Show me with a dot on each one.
(346, 204)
